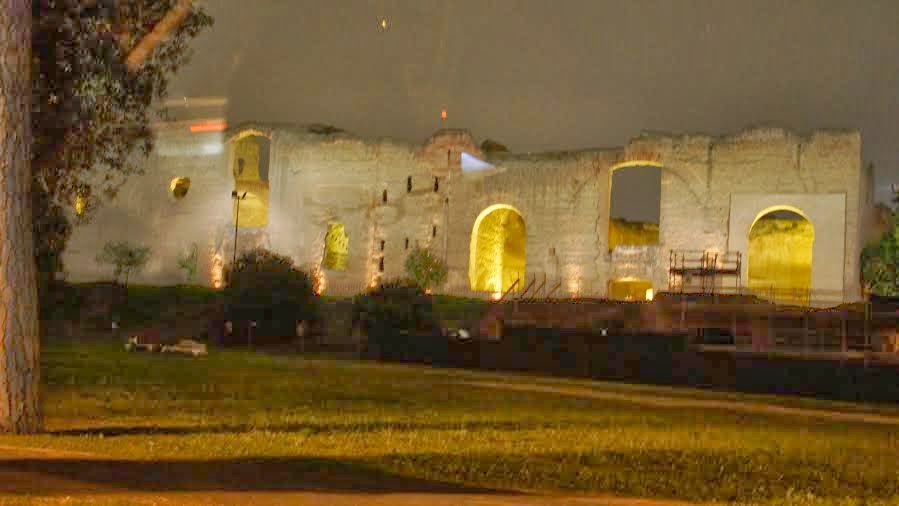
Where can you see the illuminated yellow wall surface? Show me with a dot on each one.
(248, 178)
(632, 233)
(337, 248)
(498, 250)
(780, 254)
(629, 289)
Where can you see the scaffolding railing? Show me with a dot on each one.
(704, 272)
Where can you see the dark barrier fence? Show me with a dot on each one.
(651, 359)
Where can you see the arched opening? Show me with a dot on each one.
(337, 248)
(635, 289)
(635, 204)
(249, 166)
(497, 250)
(781, 240)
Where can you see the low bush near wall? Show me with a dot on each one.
(134, 305)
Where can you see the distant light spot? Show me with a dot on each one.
(443, 114)
(383, 24)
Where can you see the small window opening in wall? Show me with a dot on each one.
(434, 231)
(81, 206)
(436, 185)
(384, 197)
(407, 244)
(409, 184)
(552, 251)
(179, 187)
(381, 265)
(382, 244)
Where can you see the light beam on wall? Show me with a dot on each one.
(473, 164)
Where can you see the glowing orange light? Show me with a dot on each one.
(320, 282)
(384, 24)
(443, 114)
(208, 126)
(217, 271)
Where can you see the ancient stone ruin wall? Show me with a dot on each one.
(712, 189)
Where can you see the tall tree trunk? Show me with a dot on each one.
(19, 340)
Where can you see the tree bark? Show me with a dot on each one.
(19, 332)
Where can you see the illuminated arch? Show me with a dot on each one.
(243, 133)
(780, 254)
(636, 163)
(497, 253)
(621, 232)
(774, 209)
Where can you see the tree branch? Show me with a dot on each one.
(169, 23)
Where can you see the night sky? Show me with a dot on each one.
(541, 74)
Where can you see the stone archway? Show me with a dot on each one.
(780, 250)
(498, 250)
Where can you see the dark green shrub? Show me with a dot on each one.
(266, 288)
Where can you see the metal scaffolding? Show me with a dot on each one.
(704, 272)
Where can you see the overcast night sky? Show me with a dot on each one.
(541, 74)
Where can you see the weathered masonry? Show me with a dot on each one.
(348, 209)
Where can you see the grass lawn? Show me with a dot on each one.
(212, 417)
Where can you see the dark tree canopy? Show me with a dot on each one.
(91, 110)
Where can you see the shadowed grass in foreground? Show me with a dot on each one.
(421, 425)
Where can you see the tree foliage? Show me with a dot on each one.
(125, 258)
(880, 262)
(425, 269)
(91, 113)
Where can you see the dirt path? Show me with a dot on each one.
(674, 402)
(50, 477)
